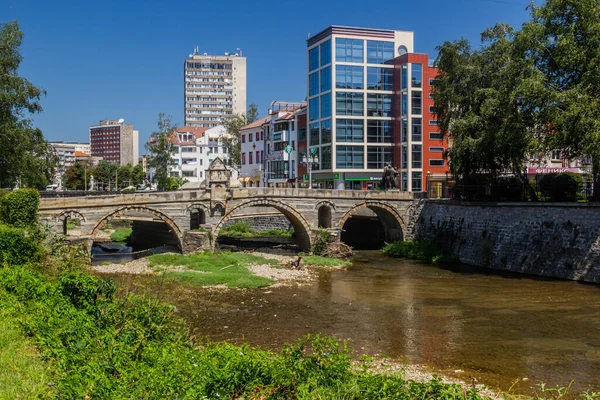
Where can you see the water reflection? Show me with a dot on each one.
(495, 327)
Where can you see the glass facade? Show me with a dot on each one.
(404, 77)
(404, 104)
(326, 157)
(349, 130)
(349, 103)
(379, 105)
(314, 134)
(416, 135)
(380, 78)
(349, 157)
(349, 50)
(313, 84)
(349, 77)
(417, 178)
(404, 130)
(416, 106)
(416, 156)
(326, 105)
(416, 75)
(325, 79)
(326, 131)
(379, 131)
(313, 104)
(379, 52)
(378, 156)
(325, 53)
(313, 59)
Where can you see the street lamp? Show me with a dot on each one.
(310, 159)
(428, 183)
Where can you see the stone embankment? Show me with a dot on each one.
(559, 240)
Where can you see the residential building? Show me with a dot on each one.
(214, 88)
(195, 149)
(252, 138)
(281, 144)
(66, 153)
(366, 91)
(115, 141)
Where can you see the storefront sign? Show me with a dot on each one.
(534, 171)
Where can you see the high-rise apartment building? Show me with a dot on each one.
(214, 88)
(115, 142)
(366, 92)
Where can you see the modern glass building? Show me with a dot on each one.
(365, 93)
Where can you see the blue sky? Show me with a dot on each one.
(124, 59)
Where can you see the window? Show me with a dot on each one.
(325, 53)
(326, 79)
(380, 78)
(349, 130)
(416, 130)
(379, 105)
(404, 130)
(432, 109)
(258, 160)
(348, 103)
(404, 157)
(243, 158)
(415, 98)
(404, 104)
(250, 136)
(436, 149)
(416, 72)
(416, 156)
(436, 163)
(431, 82)
(404, 76)
(379, 52)
(250, 158)
(349, 77)
(417, 178)
(313, 105)
(349, 50)
(313, 84)
(436, 123)
(436, 136)
(326, 157)
(301, 134)
(349, 157)
(313, 58)
(378, 156)
(556, 155)
(379, 131)
(314, 134)
(326, 105)
(278, 169)
(326, 131)
(243, 138)
(404, 182)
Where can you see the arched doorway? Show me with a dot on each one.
(369, 225)
(324, 216)
(70, 222)
(299, 223)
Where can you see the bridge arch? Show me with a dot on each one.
(197, 213)
(392, 221)
(121, 211)
(300, 224)
(64, 216)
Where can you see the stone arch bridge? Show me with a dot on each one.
(211, 208)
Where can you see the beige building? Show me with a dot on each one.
(214, 88)
(115, 141)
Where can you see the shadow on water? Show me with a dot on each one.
(493, 326)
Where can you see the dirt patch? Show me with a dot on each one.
(139, 266)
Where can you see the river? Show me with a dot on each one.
(464, 322)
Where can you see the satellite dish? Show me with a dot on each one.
(121, 120)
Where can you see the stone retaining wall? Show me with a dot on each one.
(263, 222)
(547, 239)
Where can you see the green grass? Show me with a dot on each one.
(241, 229)
(325, 261)
(23, 375)
(429, 251)
(121, 234)
(214, 268)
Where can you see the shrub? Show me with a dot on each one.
(20, 207)
(427, 251)
(562, 187)
(16, 247)
(509, 189)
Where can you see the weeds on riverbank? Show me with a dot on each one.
(241, 229)
(102, 346)
(429, 251)
(214, 268)
(325, 261)
(121, 234)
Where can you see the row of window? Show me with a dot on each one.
(351, 50)
(259, 136)
(351, 77)
(257, 160)
(208, 65)
(214, 73)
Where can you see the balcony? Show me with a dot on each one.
(281, 136)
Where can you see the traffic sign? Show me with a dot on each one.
(305, 177)
(288, 149)
(313, 151)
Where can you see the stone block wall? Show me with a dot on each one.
(263, 222)
(547, 239)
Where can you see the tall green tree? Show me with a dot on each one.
(74, 177)
(26, 159)
(105, 174)
(232, 142)
(161, 148)
(137, 175)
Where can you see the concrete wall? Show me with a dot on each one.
(547, 239)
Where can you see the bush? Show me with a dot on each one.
(20, 207)
(509, 189)
(562, 187)
(429, 251)
(16, 247)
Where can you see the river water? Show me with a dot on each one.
(465, 322)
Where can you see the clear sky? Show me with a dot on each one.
(124, 59)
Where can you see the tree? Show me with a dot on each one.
(26, 159)
(125, 174)
(161, 150)
(232, 142)
(104, 173)
(74, 177)
(137, 175)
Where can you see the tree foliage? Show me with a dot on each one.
(232, 142)
(19, 208)
(26, 159)
(161, 149)
(523, 92)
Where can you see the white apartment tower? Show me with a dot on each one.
(214, 88)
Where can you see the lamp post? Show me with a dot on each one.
(310, 159)
(428, 184)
